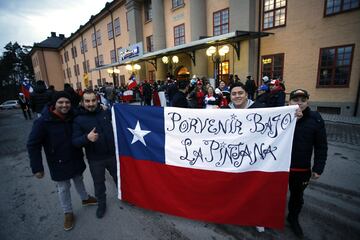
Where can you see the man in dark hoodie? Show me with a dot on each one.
(92, 129)
(53, 132)
(39, 98)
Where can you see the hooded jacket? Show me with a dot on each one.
(54, 135)
(39, 98)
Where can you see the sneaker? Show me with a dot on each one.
(260, 229)
(90, 201)
(295, 226)
(69, 221)
(100, 212)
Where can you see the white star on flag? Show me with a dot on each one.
(138, 134)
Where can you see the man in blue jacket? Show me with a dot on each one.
(309, 137)
(53, 132)
(92, 129)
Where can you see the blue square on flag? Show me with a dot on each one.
(141, 132)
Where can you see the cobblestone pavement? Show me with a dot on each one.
(343, 133)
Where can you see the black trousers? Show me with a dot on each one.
(298, 181)
(97, 170)
(26, 113)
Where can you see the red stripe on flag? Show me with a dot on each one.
(250, 198)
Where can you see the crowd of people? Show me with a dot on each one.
(70, 120)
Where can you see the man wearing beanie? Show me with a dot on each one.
(309, 137)
(53, 131)
(92, 129)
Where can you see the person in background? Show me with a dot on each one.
(52, 131)
(309, 137)
(251, 87)
(25, 106)
(179, 99)
(74, 97)
(39, 98)
(92, 129)
(211, 99)
(197, 95)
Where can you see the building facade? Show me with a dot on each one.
(312, 45)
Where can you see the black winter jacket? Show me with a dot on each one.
(85, 121)
(310, 134)
(54, 135)
(39, 98)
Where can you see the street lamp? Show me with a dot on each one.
(174, 60)
(216, 57)
(113, 72)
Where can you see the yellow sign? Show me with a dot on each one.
(86, 79)
(267, 60)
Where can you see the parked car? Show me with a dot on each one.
(10, 104)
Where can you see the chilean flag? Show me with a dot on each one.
(226, 166)
(25, 87)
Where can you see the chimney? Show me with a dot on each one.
(53, 34)
(61, 36)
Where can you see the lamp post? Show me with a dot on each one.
(174, 60)
(133, 69)
(113, 72)
(216, 55)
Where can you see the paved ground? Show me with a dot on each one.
(29, 207)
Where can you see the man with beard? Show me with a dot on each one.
(92, 129)
(53, 132)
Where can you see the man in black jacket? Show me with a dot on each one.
(309, 137)
(53, 132)
(92, 129)
(179, 99)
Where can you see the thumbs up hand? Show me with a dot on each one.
(93, 135)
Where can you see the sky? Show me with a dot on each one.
(31, 21)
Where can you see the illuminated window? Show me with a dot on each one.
(274, 13)
(273, 66)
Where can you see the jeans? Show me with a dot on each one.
(63, 188)
(97, 170)
(298, 181)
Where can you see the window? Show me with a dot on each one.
(273, 66)
(93, 40)
(82, 47)
(75, 72)
(101, 60)
(221, 22)
(98, 37)
(73, 52)
(88, 65)
(151, 76)
(148, 10)
(150, 43)
(113, 56)
(66, 56)
(98, 82)
(85, 45)
(85, 67)
(96, 61)
(335, 66)
(179, 34)
(337, 6)
(224, 71)
(110, 30)
(117, 26)
(177, 3)
(274, 14)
